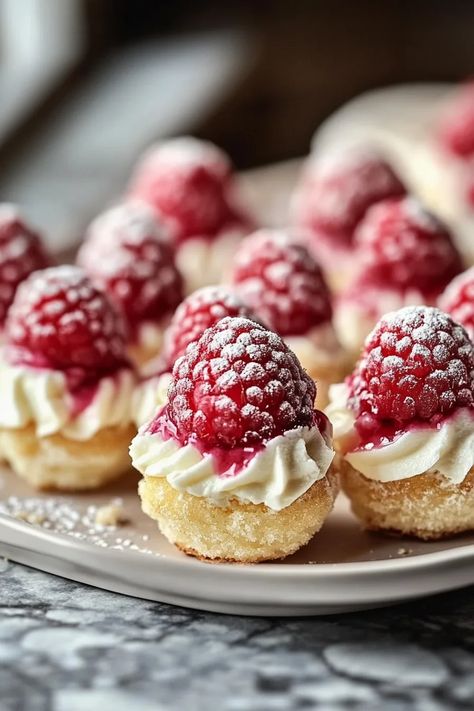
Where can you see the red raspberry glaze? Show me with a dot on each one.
(401, 246)
(187, 182)
(238, 385)
(417, 366)
(194, 315)
(60, 320)
(456, 131)
(127, 256)
(281, 283)
(21, 253)
(335, 194)
(458, 300)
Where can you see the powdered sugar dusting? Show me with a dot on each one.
(458, 300)
(186, 151)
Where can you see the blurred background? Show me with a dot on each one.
(87, 84)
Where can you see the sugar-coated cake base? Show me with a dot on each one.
(325, 375)
(238, 532)
(55, 462)
(427, 506)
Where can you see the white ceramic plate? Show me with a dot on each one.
(342, 569)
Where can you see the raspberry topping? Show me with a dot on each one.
(60, 320)
(456, 131)
(417, 365)
(281, 283)
(21, 253)
(402, 246)
(335, 194)
(126, 255)
(238, 385)
(187, 181)
(458, 300)
(194, 315)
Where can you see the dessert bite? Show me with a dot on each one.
(237, 466)
(332, 197)
(405, 257)
(190, 183)
(66, 385)
(194, 315)
(21, 252)
(285, 288)
(127, 254)
(458, 300)
(404, 425)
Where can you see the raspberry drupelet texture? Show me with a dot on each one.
(21, 253)
(199, 311)
(127, 255)
(458, 300)
(402, 246)
(418, 364)
(336, 193)
(186, 181)
(239, 385)
(281, 283)
(60, 320)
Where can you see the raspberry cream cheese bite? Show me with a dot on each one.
(405, 257)
(238, 465)
(127, 254)
(332, 197)
(65, 420)
(21, 252)
(404, 425)
(191, 184)
(285, 288)
(458, 300)
(194, 315)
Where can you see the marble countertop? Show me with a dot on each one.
(69, 647)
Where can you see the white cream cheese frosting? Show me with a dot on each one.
(447, 449)
(41, 397)
(277, 475)
(149, 396)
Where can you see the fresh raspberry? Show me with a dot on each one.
(335, 194)
(458, 300)
(417, 364)
(200, 311)
(127, 256)
(239, 385)
(187, 181)
(456, 130)
(402, 246)
(281, 283)
(21, 253)
(60, 320)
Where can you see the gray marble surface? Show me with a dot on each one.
(68, 647)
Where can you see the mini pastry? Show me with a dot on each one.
(65, 420)
(127, 255)
(194, 315)
(285, 288)
(237, 465)
(190, 183)
(404, 423)
(405, 256)
(458, 300)
(21, 252)
(331, 199)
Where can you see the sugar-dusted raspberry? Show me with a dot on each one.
(336, 192)
(126, 255)
(402, 246)
(281, 283)
(60, 320)
(187, 181)
(417, 364)
(239, 385)
(199, 311)
(456, 130)
(21, 252)
(458, 300)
